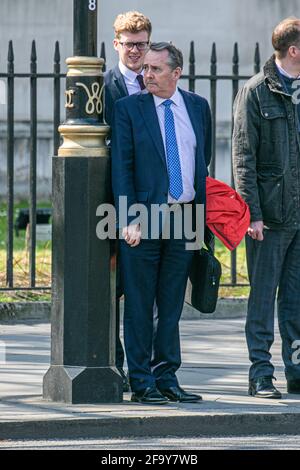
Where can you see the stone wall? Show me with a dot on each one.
(220, 21)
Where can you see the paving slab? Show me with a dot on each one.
(214, 364)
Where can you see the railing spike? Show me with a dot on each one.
(235, 59)
(213, 60)
(213, 57)
(33, 56)
(192, 53)
(257, 58)
(57, 53)
(103, 55)
(10, 54)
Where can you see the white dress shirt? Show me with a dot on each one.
(186, 142)
(131, 82)
(284, 72)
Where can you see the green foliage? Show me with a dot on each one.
(21, 259)
(43, 264)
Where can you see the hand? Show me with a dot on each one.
(255, 230)
(132, 234)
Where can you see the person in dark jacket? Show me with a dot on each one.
(132, 39)
(160, 152)
(266, 164)
(132, 35)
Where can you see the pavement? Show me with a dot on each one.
(214, 364)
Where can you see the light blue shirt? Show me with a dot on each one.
(186, 142)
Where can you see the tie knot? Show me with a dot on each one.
(167, 103)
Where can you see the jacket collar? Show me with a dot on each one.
(119, 81)
(272, 78)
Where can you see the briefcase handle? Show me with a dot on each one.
(209, 240)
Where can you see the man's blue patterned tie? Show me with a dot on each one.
(173, 159)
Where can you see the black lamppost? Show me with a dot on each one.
(82, 366)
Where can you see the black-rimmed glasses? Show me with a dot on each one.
(141, 46)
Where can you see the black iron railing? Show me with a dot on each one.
(213, 78)
(33, 77)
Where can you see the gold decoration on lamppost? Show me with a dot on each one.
(85, 140)
(69, 97)
(97, 93)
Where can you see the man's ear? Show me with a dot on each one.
(115, 44)
(177, 73)
(292, 51)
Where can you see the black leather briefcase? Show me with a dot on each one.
(205, 274)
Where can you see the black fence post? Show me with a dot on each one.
(10, 167)
(32, 170)
(56, 103)
(213, 107)
(192, 68)
(83, 315)
(235, 87)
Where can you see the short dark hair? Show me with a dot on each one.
(175, 55)
(286, 34)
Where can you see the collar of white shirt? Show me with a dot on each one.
(283, 72)
(129, 74)
(176, 98)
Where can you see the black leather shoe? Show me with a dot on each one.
(263, 387)
(150, 396)
(178, 394)
(124, 379)
(293, 386)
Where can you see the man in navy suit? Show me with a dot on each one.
(132, 36)
(160, 152)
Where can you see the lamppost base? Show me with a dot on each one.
(83, 287)
(75, 385)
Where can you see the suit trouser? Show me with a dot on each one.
(114, 253)
(273, 263)
(155, 269)
(119, 292)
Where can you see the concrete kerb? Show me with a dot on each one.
(229, 307)
(206, 425)
(41, 311)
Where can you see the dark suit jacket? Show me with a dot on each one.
(139, 169)
(115, 88)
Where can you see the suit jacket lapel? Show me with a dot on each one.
(149, 114)
(120, 82)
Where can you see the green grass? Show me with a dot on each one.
(21, 260)
(43, 264)
(224, 256)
